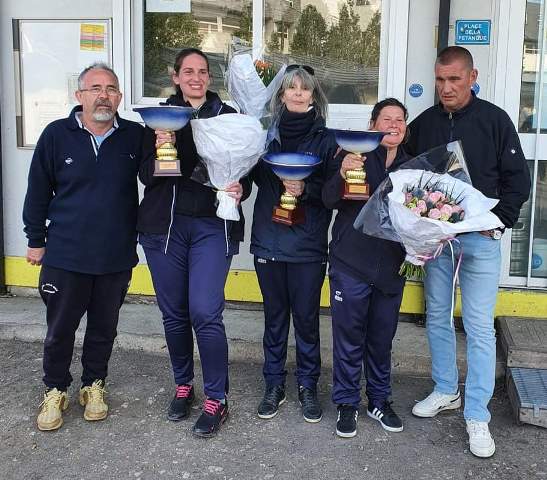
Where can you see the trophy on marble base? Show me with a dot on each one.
(169, 118)
(357, 142)
(290, 166)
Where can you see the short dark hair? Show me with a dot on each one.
(186, 52)
(451, 54)
(387, 102)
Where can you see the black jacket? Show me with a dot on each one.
(491, 146)
(305, 242)
(89, 195)
(373, 260)
(164, 195)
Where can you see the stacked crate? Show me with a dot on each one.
(524, 343)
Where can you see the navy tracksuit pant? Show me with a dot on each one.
(68, 295)
(364, 322)
(189, 282)
(291, 287)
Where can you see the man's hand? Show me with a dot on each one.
(235, 190)
(35, 255)
(294, 187)
(351, 162)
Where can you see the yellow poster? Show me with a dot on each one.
(93, 37)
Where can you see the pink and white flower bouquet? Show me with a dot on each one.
(425, 205)
(427, 209)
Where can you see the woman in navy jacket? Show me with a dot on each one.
(189, 251)
(366, 288)
(290, 261)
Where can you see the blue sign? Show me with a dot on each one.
(415, 90)
(476, 88)
(472, 32)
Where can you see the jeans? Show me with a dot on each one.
(478, 277)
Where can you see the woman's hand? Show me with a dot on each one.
(235, 190)
(294, 187)
(352, 162)
(164, 137)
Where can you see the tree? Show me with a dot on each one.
(245, 30)
(371, 42)
(167, 31)
(310, 33)
(344, 39)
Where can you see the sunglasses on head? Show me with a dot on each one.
(307, 68)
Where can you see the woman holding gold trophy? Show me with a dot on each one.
(366, 288)
(189, 249)
(290, 249)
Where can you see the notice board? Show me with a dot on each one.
(49, 56)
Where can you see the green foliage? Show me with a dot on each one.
(310, 34)
(164, 30)
(371, 42)
(245, 30)
(343, 41)
(344, 38)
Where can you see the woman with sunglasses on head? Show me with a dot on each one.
(366, 288)
(290, 260)
(189, 251)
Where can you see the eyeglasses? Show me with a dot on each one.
(307, 68)
(110, 91)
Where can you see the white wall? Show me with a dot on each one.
(16, 161)
(422, 48)
(423, 18)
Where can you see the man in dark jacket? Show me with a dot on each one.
(83, 179)
(498, 169)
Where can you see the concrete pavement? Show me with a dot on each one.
(140, 328)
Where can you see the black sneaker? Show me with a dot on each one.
(346, 425)
(311, 410)
(213, 416)
(179, 407)
(274, 396)
(386, 416)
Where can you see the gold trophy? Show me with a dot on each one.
(290, 166)
(357, 142)
(169, 119)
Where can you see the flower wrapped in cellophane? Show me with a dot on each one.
(252, 84)
(229, 146)
(425, 204)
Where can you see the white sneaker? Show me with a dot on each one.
(481, 442)
(437, 402)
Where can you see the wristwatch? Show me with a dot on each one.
(496, 233)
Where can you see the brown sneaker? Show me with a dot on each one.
(52, 407)
(92, 398)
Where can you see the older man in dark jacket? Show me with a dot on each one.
(83, 179)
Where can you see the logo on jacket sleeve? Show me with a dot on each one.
(69, 161)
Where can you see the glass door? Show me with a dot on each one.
(527, 260)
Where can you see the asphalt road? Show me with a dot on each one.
(136, 441)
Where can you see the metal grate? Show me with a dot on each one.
(531, 385)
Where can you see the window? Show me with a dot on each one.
(211, 26)
(341, 41)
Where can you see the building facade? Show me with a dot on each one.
(361, 50)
